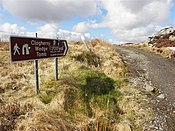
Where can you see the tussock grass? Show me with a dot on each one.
(90, 58)
(91, 93)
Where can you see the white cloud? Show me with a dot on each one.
(7, 29)
(48, 31)
(1, 15)
(0, 4)
(81, 27)
(134, 20)
(12, 29)
(50, 10)
(71, 36)
(136, 34)
(45, 31)
(124, 15)
(52, 31)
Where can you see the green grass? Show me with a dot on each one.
(48, 91)
(89, 57)
(47, 96)
(93, 90)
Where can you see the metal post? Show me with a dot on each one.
(56, 69)
(36, 75)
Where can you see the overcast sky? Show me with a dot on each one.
(111, 20)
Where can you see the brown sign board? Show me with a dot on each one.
(27, 48)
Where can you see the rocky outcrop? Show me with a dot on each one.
(172, 37)
(165, 31)
(164, 38)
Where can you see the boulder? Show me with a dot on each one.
(172, 38)
(149, 88)
(161, 97)
(165, 31)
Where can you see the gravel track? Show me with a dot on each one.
(159, 73)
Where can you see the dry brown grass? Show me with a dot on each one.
(162, 51)
(60, 104)
(4, 46)
(136, 111)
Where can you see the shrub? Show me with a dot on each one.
(89, 57)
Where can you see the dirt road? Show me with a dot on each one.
(159, 73)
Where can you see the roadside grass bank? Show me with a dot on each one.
(92, 93)
(162, 51)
